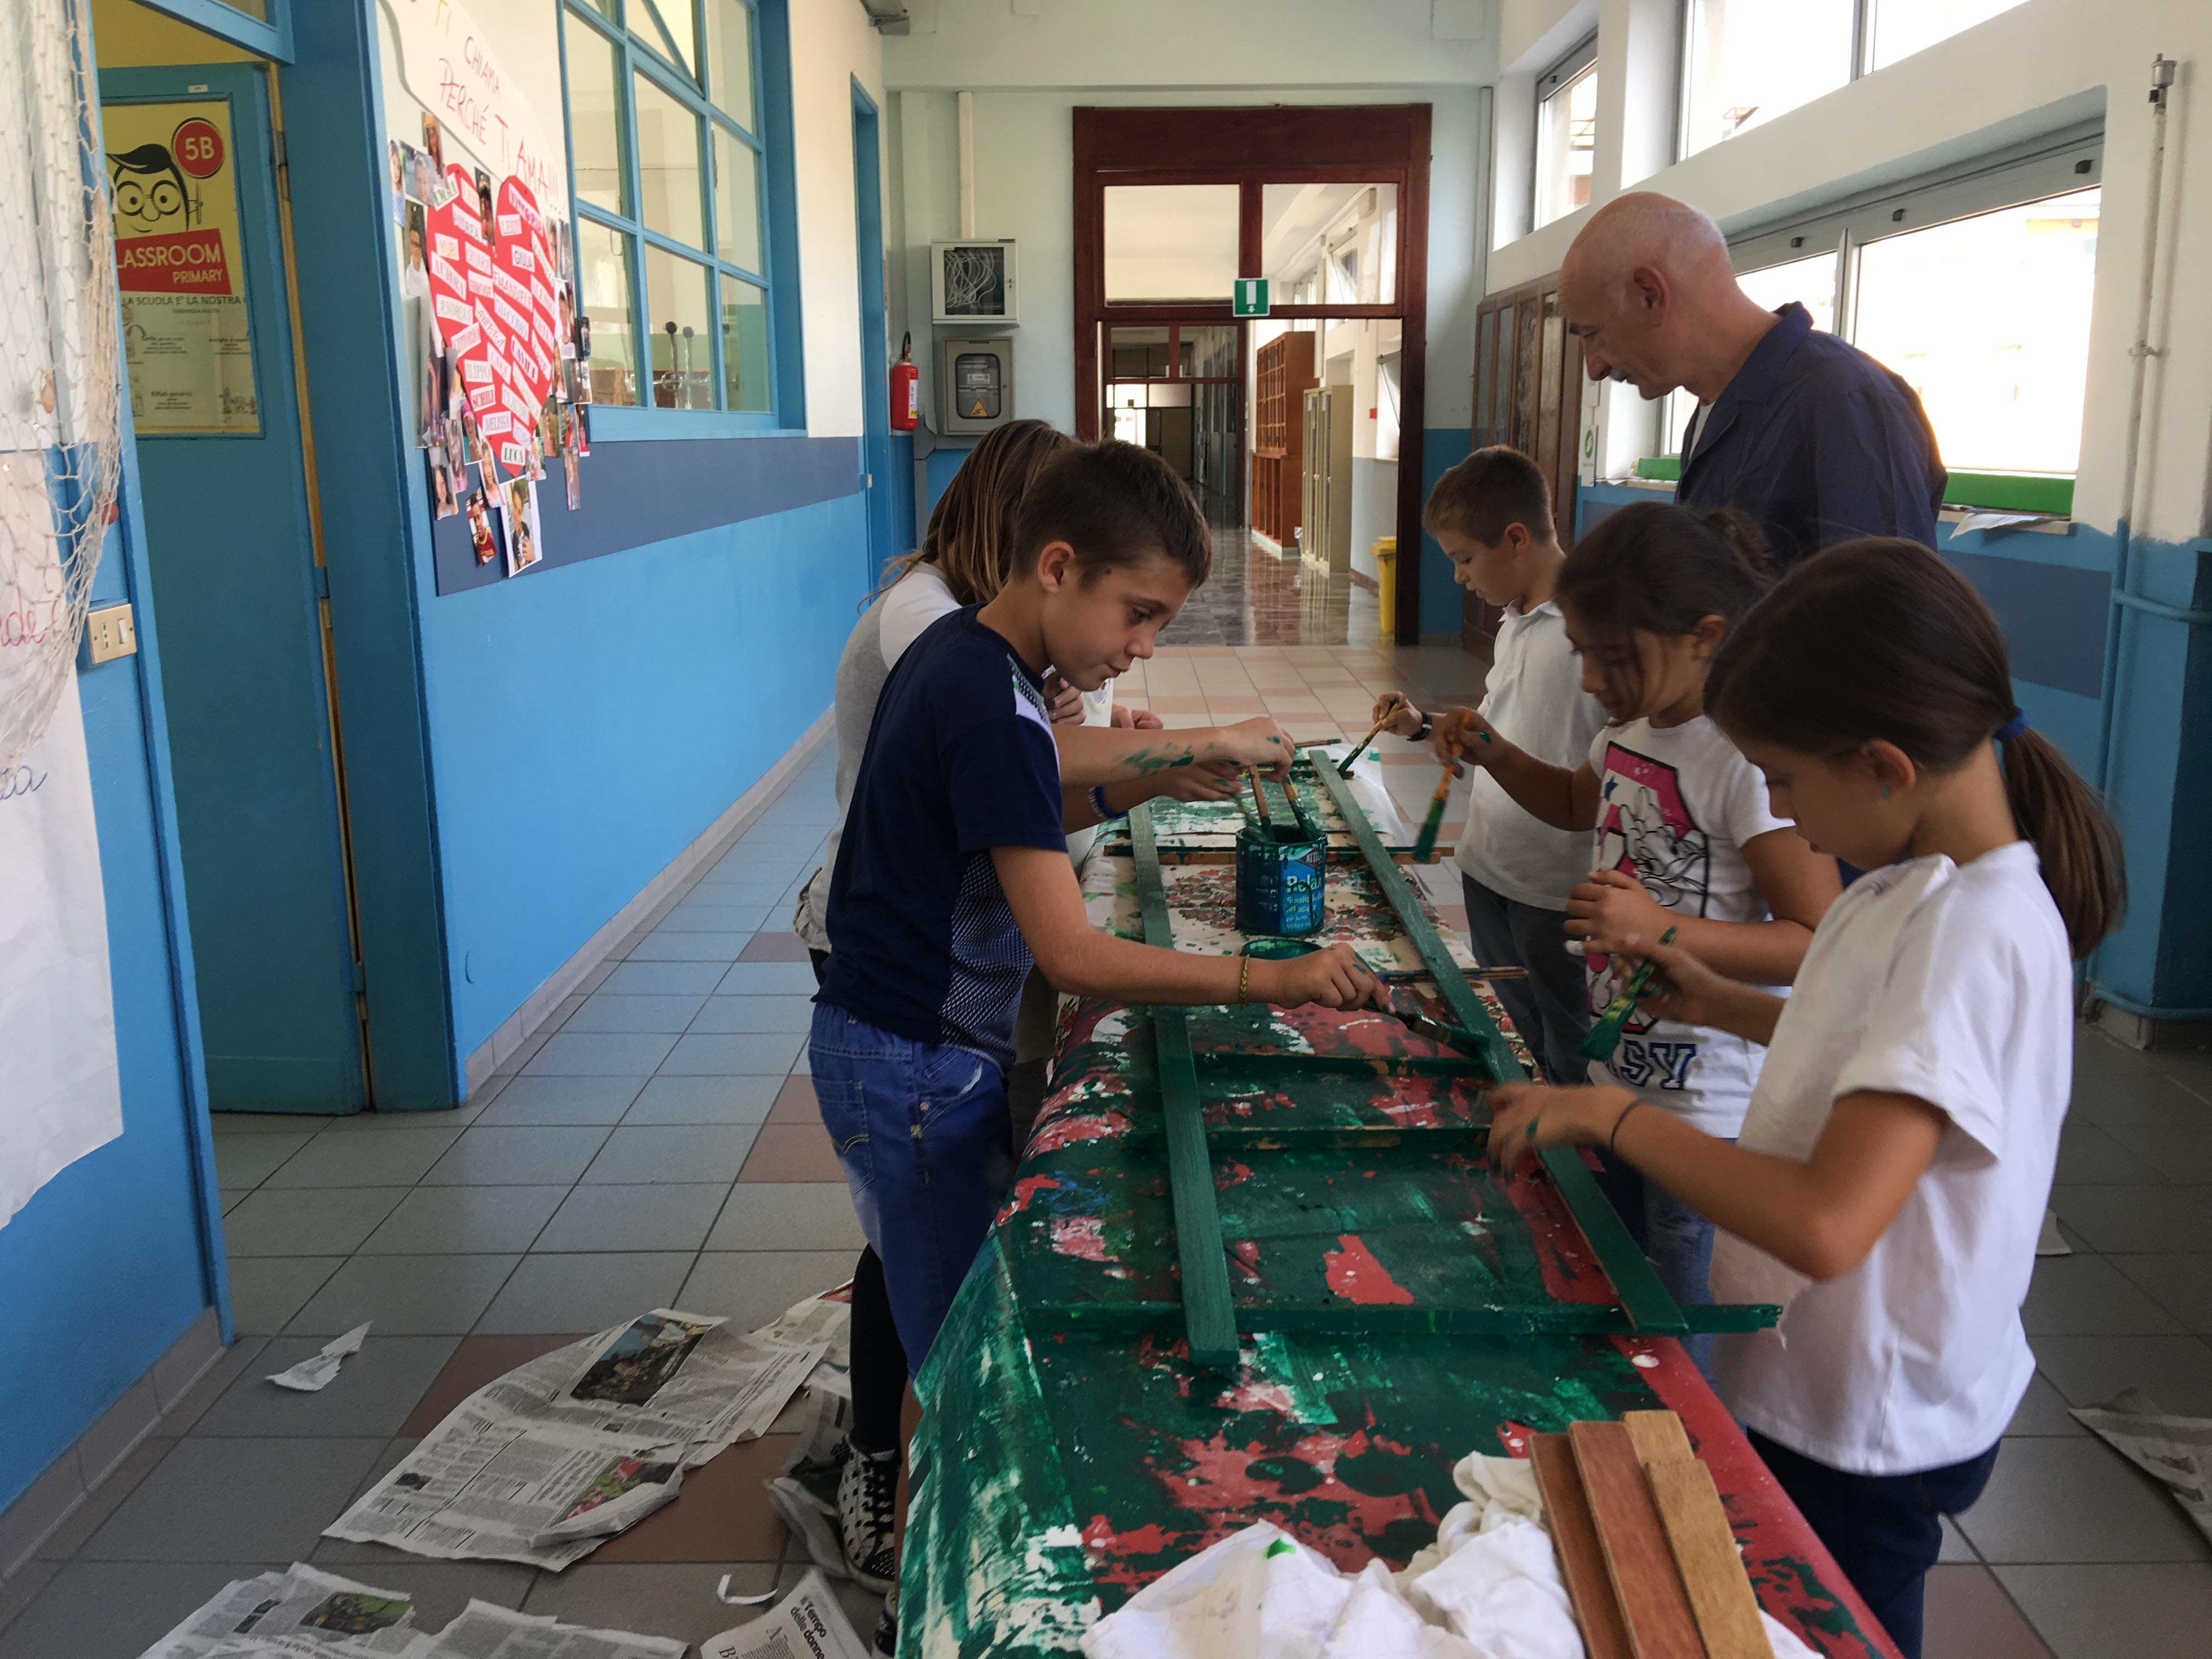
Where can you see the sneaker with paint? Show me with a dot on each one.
(867, 1492)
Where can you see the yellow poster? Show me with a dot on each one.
(170, 168)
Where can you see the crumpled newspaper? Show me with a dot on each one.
(2176, 1451)
(1489, 1588)
(313, 1374)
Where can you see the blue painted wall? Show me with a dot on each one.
(588, 722)
(1443, 447)
(119, 1234)
(2051, 594)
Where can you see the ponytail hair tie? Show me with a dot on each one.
(2013, 728)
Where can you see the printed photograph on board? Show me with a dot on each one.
(398, 184)
(484, 209)
(434, 145)
(523, 547)
(442, 505)
(483, 531)
(418, 173)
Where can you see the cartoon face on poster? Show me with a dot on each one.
(187, 338)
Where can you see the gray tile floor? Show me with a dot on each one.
(608, 1170)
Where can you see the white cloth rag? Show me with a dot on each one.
(1489, 1588)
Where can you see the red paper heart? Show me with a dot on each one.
(492, 297)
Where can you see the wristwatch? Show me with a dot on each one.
(1422, 735)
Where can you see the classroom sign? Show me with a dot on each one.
(171, 170)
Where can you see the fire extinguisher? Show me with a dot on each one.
(906, 388)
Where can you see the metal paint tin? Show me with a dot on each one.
(1280, 877)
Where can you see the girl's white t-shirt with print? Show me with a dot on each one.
(1676, 804)
(1952, 983)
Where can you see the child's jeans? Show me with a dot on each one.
(1674, 1238)
(923, 1134)
(1884, 1530)
(1551, 1007)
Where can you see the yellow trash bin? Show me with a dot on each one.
(1385, 581)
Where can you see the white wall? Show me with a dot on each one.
(1024, 188)
(2036, 68)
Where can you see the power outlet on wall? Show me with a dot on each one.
(108, 634)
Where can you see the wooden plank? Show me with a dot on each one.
(1654, 1605)
(1655, 1312)
(1659, 1437)
(1704, 1550)
(1209, 1318)
(1582, 1556)
(1355, 1322)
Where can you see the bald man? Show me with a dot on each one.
(1806, 433)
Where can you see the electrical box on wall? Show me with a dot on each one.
(975, 383)
(972, 283)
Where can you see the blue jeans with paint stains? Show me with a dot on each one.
(926, 1142)
(1674, 1238)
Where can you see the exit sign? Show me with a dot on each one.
(1251, 299)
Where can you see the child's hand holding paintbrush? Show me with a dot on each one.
(1459, 729)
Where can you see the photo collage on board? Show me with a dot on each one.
(502, 346)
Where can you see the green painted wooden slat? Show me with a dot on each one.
(1555, 1318)
(1237, 1060)
(1641, 1293)
(1208, 1318)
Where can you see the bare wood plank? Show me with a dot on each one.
(1659, 1437)
(1582, 1558)
(1704, 1548)
(1654, 1604)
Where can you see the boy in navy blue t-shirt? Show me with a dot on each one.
(953, 871)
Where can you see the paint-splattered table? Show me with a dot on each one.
(1394, 1307)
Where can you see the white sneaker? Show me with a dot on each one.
(867, 1494)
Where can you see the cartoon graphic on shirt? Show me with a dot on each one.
(1645, 830)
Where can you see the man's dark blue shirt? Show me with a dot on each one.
(1818, 443)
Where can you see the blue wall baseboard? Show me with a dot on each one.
(637, 491)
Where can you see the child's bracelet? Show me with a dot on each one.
(1244, 983)
(1612, 1140)
(1106, 814)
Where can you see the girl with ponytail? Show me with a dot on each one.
(1682, 835)
(1890, 1176)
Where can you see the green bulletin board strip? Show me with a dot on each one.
(1208, 1316)
(1642, 1295)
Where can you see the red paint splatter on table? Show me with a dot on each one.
(1025, 1189)
(1356, 1276)
(1081, 1236)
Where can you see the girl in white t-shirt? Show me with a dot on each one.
(1683, 835)
(1890, 1174)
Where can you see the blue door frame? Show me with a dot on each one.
(884, 479)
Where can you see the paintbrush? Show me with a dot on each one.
(1408, 975)
(1605, 1037)
(1424, 844)
(1260, 795)
(1435, 1030)
(1389, 714)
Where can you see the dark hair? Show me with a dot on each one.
(1880, 639)
(1654, 568)
(972, 530)
(1113, 504)
(1491, 489)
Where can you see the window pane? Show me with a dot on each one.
(595, 122)
(1329, 244)
(669, 172)
(1208, 350)
(736, 203)
(730, 58)
(1902, 27)
(1170, 241)
(1988, 318)
(251, 8)
(744, 345)
(603, 269)
(1566, 146)
(1811, 282)
(1752, 60)
(677, 14)
(681, 352)
(610, 9)
(1133, 353)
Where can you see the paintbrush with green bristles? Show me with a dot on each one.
(1424, 844)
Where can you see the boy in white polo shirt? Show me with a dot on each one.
(1493, 513)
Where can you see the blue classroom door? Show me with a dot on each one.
(223, 471)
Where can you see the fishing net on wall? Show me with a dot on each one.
(61, 389)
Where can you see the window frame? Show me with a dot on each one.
(1571, 65)
(2056, 164)
(636, 37)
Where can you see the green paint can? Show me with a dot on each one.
(1280, 875)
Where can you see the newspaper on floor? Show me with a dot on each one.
(313, 1374)
(805, 1493)
(541, 1464)
(485, 1631)
(808, 1621)
(826, 1319)
(299, 1614)
(2176, 1451)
